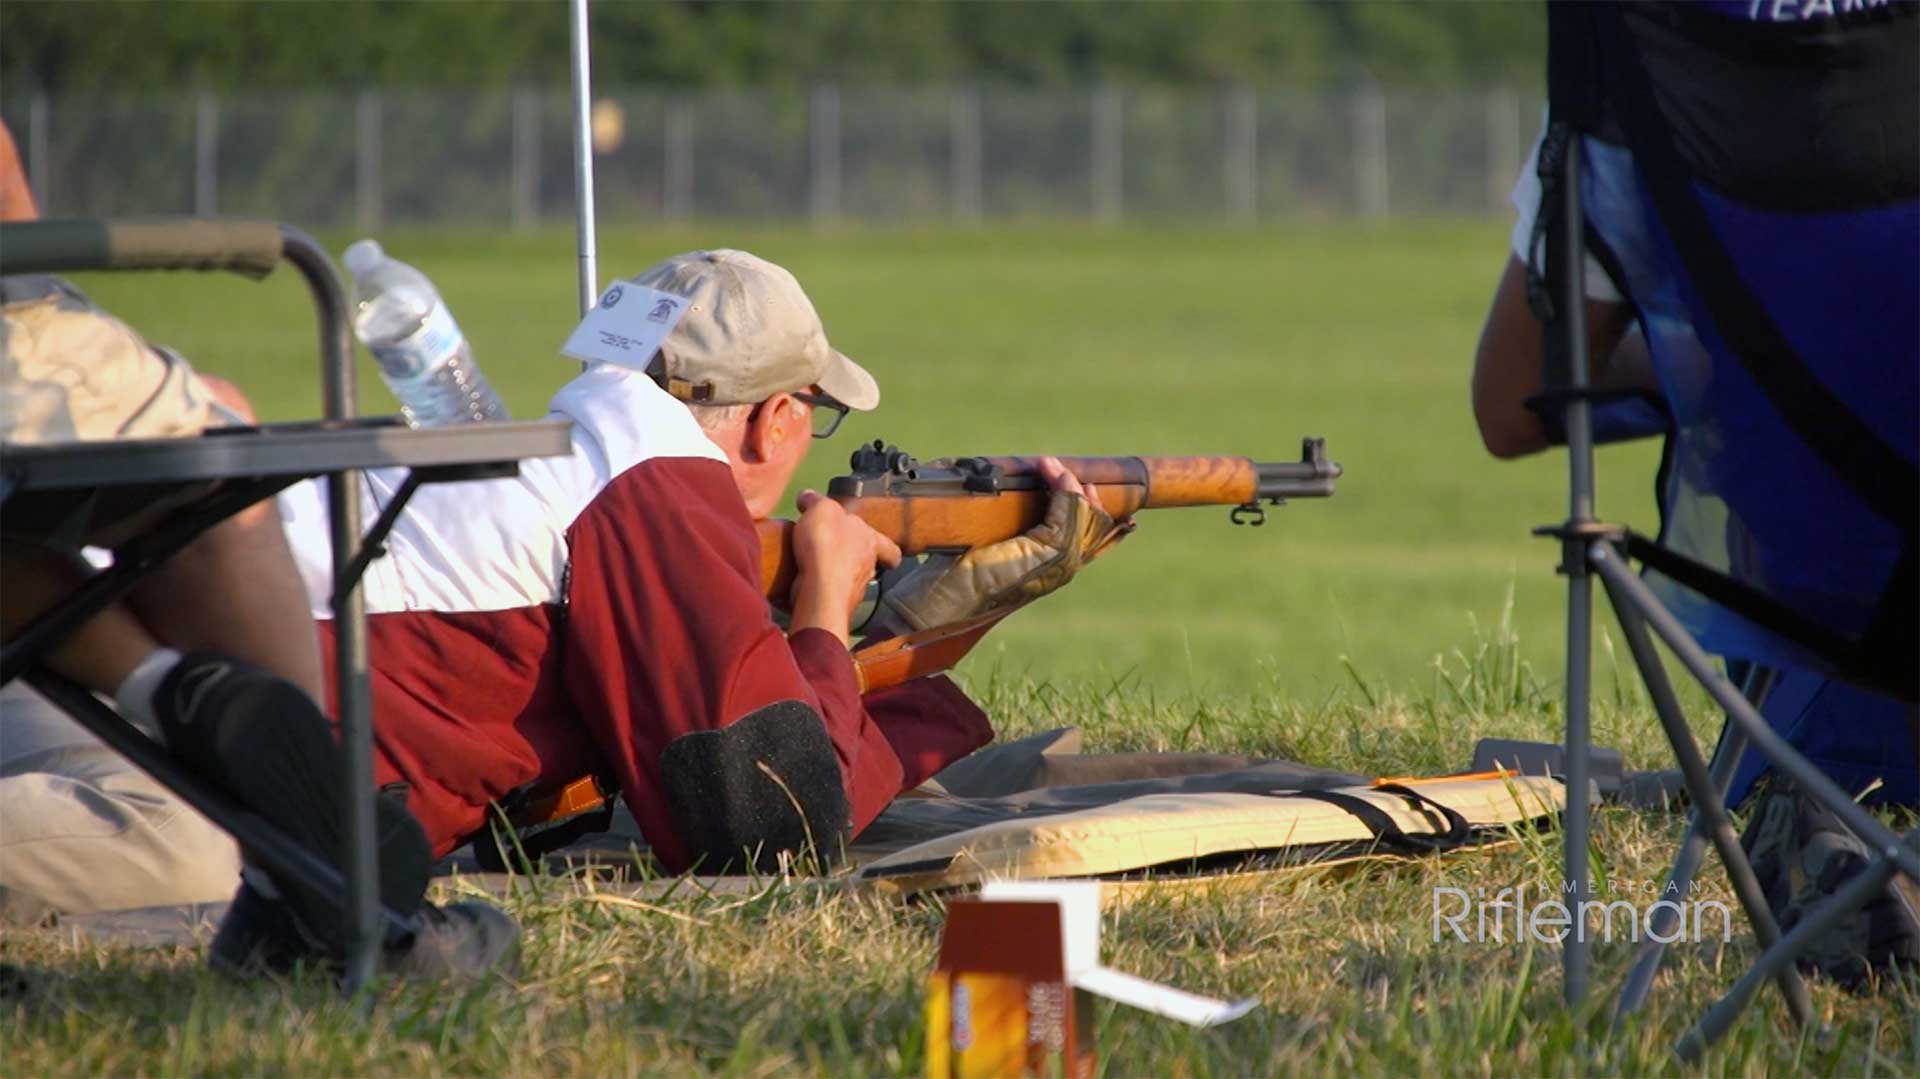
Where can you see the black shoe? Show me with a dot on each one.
(1802, 853)
(460, 942)
(260, 934)
(457, 942)
(268, 745)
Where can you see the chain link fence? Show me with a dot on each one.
(1108, 153)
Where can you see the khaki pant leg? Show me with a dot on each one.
(83, 830)
(70, 370)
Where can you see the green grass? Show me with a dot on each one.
(1382, 632)
(805, 978)
(1058, 339)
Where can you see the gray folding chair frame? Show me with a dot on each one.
(1590, 548)
(250, 465)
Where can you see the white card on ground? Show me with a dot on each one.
(626, 327)
(1079, 903)
(1178, 1004)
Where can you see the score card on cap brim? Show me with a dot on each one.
(626, 327)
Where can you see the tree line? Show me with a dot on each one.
(131, 46)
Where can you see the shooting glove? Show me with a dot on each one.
(946, 589)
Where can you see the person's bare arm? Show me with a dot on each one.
(98, 655)
(1509, 365)
(16, 198)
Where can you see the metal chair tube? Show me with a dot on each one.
(350, 643)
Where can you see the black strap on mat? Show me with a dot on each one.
(1385, 829)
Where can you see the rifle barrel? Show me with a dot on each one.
(1311, 476)
(1296, 479)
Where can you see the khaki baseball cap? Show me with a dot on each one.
(749, 332)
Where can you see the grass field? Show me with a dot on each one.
(1383, 631)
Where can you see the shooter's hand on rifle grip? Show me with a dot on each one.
(837, 554)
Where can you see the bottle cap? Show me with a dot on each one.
(363, 256)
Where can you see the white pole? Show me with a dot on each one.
(583, 158)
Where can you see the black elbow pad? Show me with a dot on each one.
(764, 786)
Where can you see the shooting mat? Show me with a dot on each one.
(1185, 835)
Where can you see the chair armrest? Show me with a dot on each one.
(248, 248)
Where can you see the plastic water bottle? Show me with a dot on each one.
(423, 356)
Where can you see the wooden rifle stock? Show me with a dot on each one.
(915, 655)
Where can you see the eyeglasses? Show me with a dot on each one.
(827, 413)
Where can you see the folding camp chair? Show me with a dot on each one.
(1823, 424)
(148, 499)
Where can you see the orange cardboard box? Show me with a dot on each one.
(1011, 994)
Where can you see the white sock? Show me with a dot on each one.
(134, 698)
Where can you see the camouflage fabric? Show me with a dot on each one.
(1802, 854)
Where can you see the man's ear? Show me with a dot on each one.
(773, 423)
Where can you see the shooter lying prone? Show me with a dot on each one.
(996, 533)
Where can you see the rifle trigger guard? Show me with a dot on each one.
(1250, 513)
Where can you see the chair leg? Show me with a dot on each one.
(1848, 898)
(1693, 849)
(352, 687)
(1576, 957)
(1701, 787)
(1784, 757)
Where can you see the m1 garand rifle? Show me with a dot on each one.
(954, 504)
